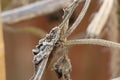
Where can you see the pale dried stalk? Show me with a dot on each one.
(97, 24)
(69, 11)
(33, 10)
(93, 42)
(118, 78)
(2, 54)
(41, 70)
(79, 19)
(113, 35)
(14, 3)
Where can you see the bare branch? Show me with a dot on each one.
(94, 42)
(33, 10)
(100, 19)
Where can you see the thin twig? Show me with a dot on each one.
(33, 10)
(97, 24)
(94, 42)
(79, 19)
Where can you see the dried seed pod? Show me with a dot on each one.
(63, 68)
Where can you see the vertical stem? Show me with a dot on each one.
(2, 55)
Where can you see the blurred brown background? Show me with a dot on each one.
(89, 62)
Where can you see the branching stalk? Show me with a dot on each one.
(69, 11)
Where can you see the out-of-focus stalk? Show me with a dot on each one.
(2, 55)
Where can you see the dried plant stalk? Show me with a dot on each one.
(33, 10)
(48, 44)
(2, 55)
(118, 78)
(94, 42)
(113, 35)
(63, 28)
(79, 19)
(97, 24)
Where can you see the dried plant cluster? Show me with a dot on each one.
(57, 38)
(54, 40)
